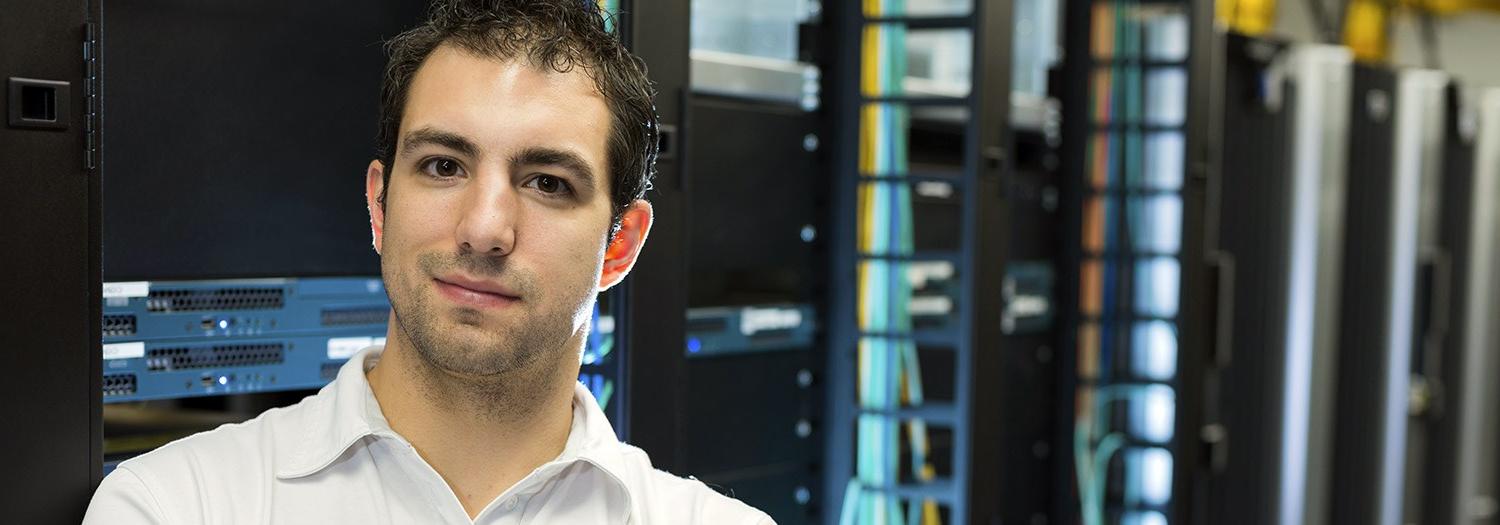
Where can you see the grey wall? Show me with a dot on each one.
(1468, 43)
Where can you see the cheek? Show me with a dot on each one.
(574, 251)
(570, 253)
(412, 221)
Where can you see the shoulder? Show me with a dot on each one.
(226, 466)
(662, 497)
(249, 447)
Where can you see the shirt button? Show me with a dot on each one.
(510, 504)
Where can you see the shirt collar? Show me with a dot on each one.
(341, 414)
(345, 412)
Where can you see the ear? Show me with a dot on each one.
(374, 185)
(620, 256)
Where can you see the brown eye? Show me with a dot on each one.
(442, 168)
(549, 184)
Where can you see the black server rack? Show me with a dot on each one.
(1445, 479)
(1031, 326)
(1365, 293)
(1321, 78)
(1477, 479)
(752, 404)
(650, 304)
(1137, 311)
(754, 241)
(1206, 336)
(1396, 148)
(1438, 353)
(1256, 225)
(914, 413)
(1280, 221)
(50, 324)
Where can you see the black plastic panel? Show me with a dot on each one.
(1255, 229)
(756, 225)
(754, 187)
(1365, 298)
(1432, 501)
(237, 136)
(50, 322)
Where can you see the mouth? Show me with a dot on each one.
(474, 293)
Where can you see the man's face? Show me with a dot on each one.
(498, 209)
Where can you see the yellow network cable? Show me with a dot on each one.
(889, 375)
(1365, 30)
(1251, 17)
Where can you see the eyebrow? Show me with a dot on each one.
(544, 156)
(432, 136)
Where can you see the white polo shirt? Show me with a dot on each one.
(332, 458)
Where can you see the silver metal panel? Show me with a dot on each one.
(1475, 495)
(1027, 112)
(776, 80)
(732, 74)
(1321, 75)
(1418, 163)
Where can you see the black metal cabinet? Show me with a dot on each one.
(49, 325)
(653, 298)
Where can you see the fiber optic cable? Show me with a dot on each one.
(888, 370)
(1122, 269)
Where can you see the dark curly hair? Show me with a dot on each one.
(554, 34)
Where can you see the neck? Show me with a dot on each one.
(482, 435)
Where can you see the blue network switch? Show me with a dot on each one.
(173, 339)
(176, 339)
(718, 331)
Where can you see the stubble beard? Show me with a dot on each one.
(497, 373)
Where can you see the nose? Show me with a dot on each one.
(487, 222)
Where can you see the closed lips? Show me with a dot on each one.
(479, 286)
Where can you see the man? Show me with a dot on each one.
(516, 142)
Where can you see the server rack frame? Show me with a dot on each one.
(972, 495)
(1206, 283)
(1454, 361)
(751, 152)
(1285, 139)
(651, 317)
(1386, 231)
(1478, 476)
(1207, 293)
(1258, 225)
(51, 326)
(1322, 76)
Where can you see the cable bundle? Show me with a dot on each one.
(889, 373)
(1129, 275)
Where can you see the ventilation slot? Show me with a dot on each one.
(119, 385)
(167, 301)
(119, 325)
(356, 317)
(168, 359)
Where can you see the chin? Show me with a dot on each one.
(472, 356)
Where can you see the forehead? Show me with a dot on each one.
(505, 105)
